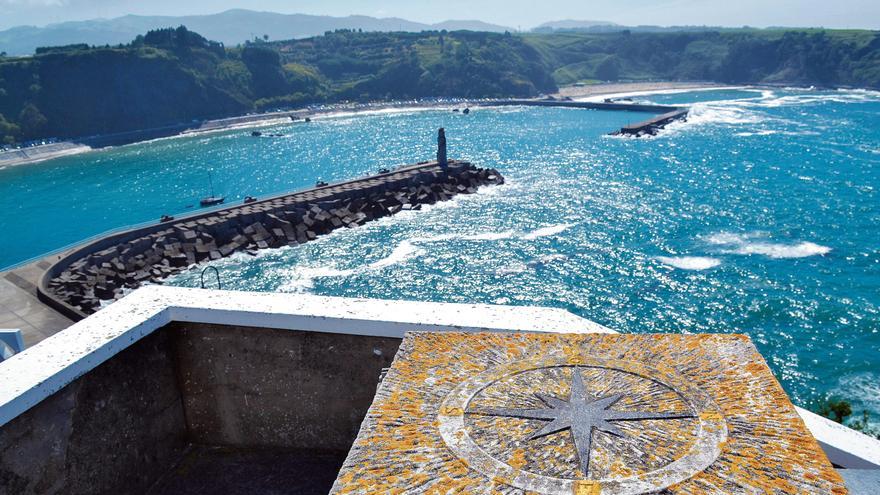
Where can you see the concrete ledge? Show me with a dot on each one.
(31, 376)
(844, 446)
(35, 374)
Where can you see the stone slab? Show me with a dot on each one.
(593, 414)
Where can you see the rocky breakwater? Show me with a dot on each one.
(101, 272)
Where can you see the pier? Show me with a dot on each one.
(647, 127)
(79, 282)
(651, 126)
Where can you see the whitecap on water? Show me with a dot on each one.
(782, 251)
(490, 236)
(763, 132)
(757, 243)
(547, 231)
(302, 278)
(403, 252)
(722, 238)
(689, 262)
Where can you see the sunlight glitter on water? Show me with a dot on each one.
(759, 215)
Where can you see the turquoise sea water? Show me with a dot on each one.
(760, 215)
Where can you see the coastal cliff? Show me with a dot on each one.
(173, 76)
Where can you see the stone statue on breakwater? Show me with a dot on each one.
(441, 148)
(106, 268)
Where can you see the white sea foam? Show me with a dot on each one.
(490, 236)
(302, 278)
(763, 132)
(403, 252)
(548, 231)
(744, 111)
(771, 132)
(722, 238)
(722, 113)
(651, 92)
(757, 243)
(727, 112)
(689, 262)
(782, 251)
(772, 100)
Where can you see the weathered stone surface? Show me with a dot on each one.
(586, 413)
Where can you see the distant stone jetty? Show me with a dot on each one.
(105, 269)
(650, 127)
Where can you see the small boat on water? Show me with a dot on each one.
(212, 199)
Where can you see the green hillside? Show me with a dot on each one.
(811, 57)
(174, 75)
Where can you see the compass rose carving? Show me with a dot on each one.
(581, 415)
(580, 397)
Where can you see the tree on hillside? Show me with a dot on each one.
(8, 131)
(264, 64)
(609, 69)
(32, 121)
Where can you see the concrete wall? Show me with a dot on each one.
(114, 430)
(125, 424)
(277, 388)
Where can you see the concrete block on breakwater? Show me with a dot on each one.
(105, 269)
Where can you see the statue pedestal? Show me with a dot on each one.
(583, 414)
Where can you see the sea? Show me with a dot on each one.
(759, 215)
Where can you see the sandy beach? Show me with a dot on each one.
(591, 90)
(37, 154)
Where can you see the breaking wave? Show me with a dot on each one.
(302, 278)
(745, 111)
(689, 262)
(548, 231)
(756, 243)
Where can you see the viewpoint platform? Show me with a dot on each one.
(583, 414)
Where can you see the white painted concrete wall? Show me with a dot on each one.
(40, 371)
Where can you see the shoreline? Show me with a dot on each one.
(585, 91)
(39, 154)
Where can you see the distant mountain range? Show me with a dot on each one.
(570, 24)
(231, 27)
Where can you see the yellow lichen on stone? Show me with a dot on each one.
(400, 448)
(587, 488)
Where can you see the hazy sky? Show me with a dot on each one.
(514, 13)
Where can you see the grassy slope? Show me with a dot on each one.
(176, 75)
